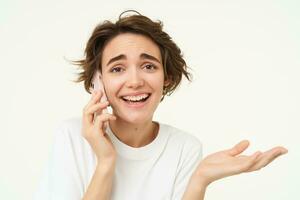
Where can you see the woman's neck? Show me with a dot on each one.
(134, 135)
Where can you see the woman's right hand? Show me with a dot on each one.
(93, 130)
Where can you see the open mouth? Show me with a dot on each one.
(136, 99)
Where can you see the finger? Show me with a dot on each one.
(101, 119)
(96, 96)
(253, 159)
(246, 162)
(238, 148)
(267, 157)
(98, 107)
(280, 153)
(88, 117)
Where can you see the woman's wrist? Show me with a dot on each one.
(106, 165)
(199, 177)
(195, 190)
(198, 183)
(101, 183)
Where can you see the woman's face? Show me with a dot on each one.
(133, 76)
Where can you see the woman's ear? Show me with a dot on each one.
(167, 83)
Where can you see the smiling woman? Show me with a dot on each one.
(125, 154)
(137, 74)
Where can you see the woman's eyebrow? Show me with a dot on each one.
(114, 59)
(147, 56)
(123, 57)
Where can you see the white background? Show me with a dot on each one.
(244, 56)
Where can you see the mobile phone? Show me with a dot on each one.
(97, 85)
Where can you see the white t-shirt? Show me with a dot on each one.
(158, 171)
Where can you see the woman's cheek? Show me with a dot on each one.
(113, 89)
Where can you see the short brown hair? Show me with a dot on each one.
(173, 63)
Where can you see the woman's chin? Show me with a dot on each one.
(135, 118)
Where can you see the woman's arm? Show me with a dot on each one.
(101, 183)
(227, 163)
(194, 191)
(93, 130)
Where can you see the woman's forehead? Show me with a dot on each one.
(131, 46)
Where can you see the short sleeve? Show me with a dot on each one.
(192, 157)
(60, 180)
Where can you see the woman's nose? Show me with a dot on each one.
(134, 80)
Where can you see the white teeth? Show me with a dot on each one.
(136, 98)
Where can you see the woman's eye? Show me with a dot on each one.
(150, 66)
(116, 69)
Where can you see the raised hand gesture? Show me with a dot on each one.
(229, 162)
(93, 128)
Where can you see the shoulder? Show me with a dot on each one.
(183, 147)
(182, 138)
(70, 126)
(68, 138)
(68, 131)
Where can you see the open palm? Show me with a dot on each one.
(229, 162)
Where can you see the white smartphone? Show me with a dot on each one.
(97, 85)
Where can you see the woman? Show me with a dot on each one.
(127, 155)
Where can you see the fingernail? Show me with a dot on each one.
(285, 151)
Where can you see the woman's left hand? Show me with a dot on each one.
(228, 162)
